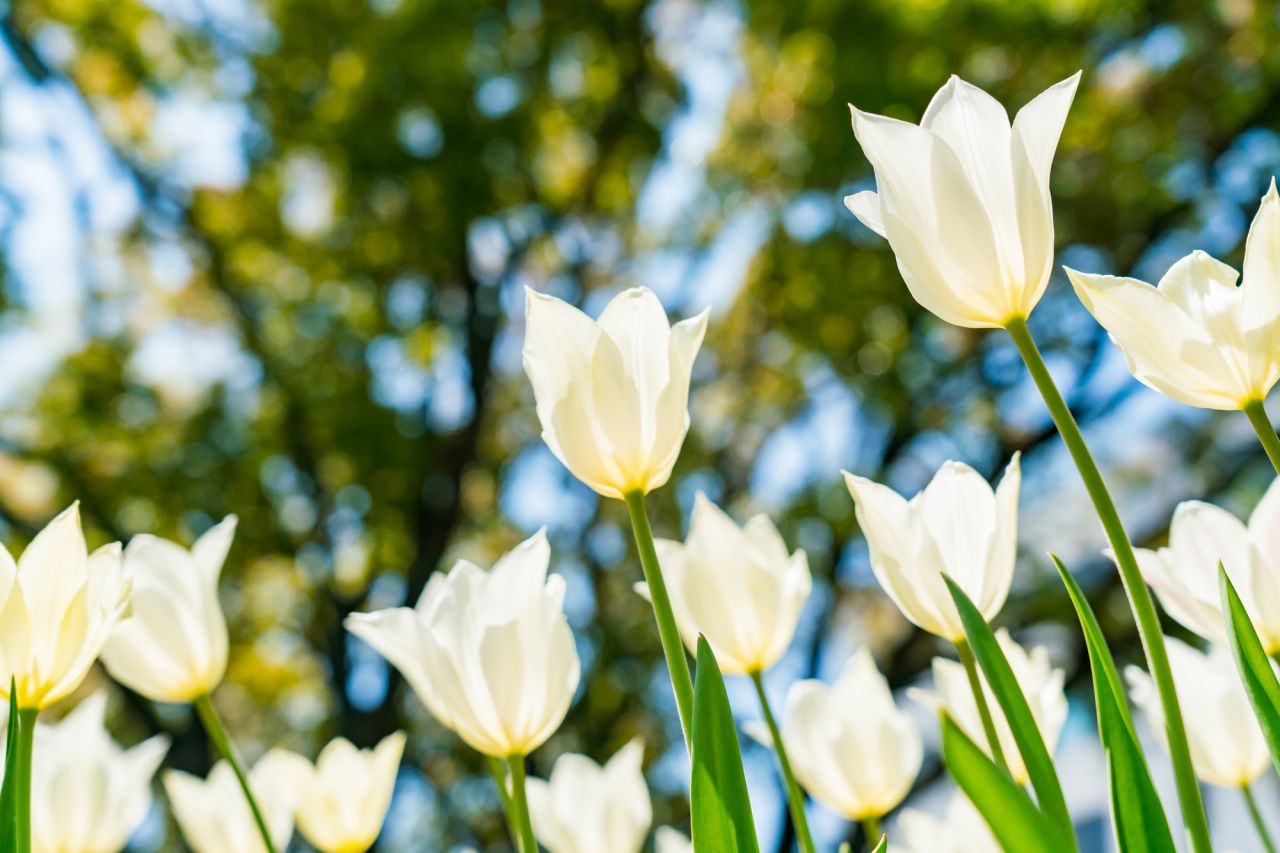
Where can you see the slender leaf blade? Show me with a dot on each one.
(1013, 818)
(1004, 684)
(8, 790)
(1255, 667)
(721, 810)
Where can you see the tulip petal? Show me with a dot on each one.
(866, 206)
(1260, 312)
(210, 550)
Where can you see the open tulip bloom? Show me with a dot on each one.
(586, 808)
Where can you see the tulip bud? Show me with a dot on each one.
(489, 653)
(737, 586)
(957, 525)
(343, 798)
(173, 646)
(612, 394)
(88, 794)
(1227, 746)
(586, 808)
(963, 199)
(58, 606)
(850, 745)
(1041, 684)
(1197, 336)
(215, 816)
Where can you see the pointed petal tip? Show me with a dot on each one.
(1271, 195)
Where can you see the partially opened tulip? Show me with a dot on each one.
(89, 794)
(1041, 684)
(173, 646)
(586, 808)
(343, 798)
(1227, 746)
(215, 816)
(963, 199)
(851, 747)
(1184, 574)
(960, 829)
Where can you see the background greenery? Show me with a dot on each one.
(268, 258)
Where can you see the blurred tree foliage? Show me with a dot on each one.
(407, 166)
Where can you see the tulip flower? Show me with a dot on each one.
(957, 526)
(612, 395)
(214, 814)
(58, 606)
(738, 586)
(668, 840)
(89, 794)
(1197, 336)
(1184, 574)
(489, 653)
(1041, 684)
(963, 199)
(961, 829)
(173, 648)
(850, 745)
(586, 808)
(343, 798)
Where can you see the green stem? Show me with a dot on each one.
(980, 699)
(520, 805)
(1144, 611)
(1258, 822)
(1266, 432)
(795, 797)
(218, 734)
(871, 829)
(499, 774)
(668, 631)
(22, 768)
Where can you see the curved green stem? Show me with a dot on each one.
(1266, 432)
(520, 805)
(1258, 822)
(499, 774)
(218, 734)
(980, 699)
(871, 829)
(1144, 611)
(22, 769)
(668, 631)
(795, 797)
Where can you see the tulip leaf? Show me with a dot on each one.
(1004, 684)
(882, 846)
(1136, 811)
(721, 810)
(1013, 818)
(8, 791)
(1254, 665)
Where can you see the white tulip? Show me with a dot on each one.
(737, 586)
(215, 816)
(489, 653)
(963, 199)
(957, 525)
(1197, 336)
(173, 646)
(87, 794)
(586, 808)
(961, 829)
(612, 394)
(342, 800)
(1227, 746)
(1041, 683)
(58, 606)
(668, 840)
(851, 747)
(1184, 574)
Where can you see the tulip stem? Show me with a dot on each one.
(499, 774)
(218, 734)
(1258, 822)
(795, 797)
(22, 770)
(520, 805)
(871, 829)
(1257, 415)
(1144, 611)
(668, 631)
(980, 699)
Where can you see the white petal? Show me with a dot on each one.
(866, 206)
(1261, 308)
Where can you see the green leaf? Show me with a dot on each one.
(1004, 684)
(1136, 811)
(1254, 665)
(8, 791)
(883, 845)
(721, 810)
(1013, 818)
